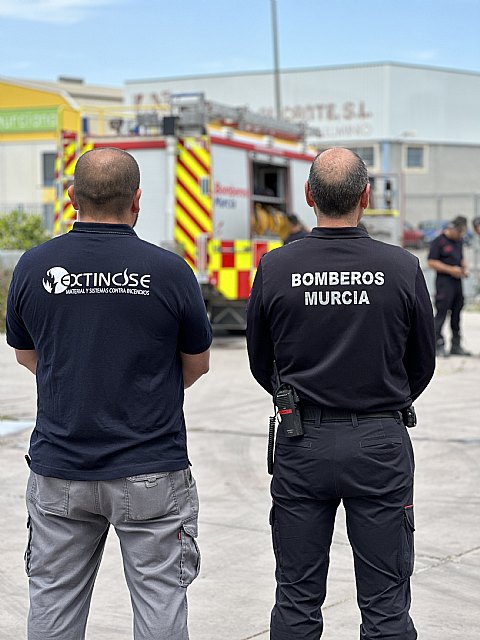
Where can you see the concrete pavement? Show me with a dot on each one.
(227, 415)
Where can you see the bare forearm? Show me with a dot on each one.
(441, 267)
(194, 367)
(28, 359)
(465, 270)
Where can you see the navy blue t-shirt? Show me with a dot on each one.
(108, 315)
(449, 252)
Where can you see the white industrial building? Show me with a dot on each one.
(418, 128)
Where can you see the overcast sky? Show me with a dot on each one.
(110, 41)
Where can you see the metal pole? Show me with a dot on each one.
(168, 240)
(276, 74)
(439, 208)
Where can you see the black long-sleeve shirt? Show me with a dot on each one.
(347, 319)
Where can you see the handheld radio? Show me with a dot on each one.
(286, 401)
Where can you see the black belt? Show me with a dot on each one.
(311, 411)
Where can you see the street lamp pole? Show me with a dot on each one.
(276, 73)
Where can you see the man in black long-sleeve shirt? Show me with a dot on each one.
(347, 322)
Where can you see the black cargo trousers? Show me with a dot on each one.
(448, 297)
(366, 462)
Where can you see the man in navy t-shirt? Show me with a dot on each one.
(115, 329)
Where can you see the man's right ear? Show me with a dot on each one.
(136, 200)
(308, 195)
(71, 195)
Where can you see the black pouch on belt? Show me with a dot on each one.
(409, 416)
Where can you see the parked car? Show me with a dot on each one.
(412, 237)
(432, 228)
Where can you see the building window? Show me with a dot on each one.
(415, 157)
(49, 169)
(367, 154)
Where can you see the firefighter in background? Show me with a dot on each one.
(297, 230)
(371, 199)
(446, 258)
(476, 225)
(476, 254)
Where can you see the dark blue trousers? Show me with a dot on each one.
(367, 463)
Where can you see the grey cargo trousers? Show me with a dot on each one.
(155, 518)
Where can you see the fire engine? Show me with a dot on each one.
(217, 183)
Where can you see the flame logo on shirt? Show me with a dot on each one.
(57, 280)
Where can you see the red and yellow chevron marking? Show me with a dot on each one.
(69, 157)
(232, 265)
(69, 213)
(193, 201)
(64, 213)
(87, 146)
(57, 207)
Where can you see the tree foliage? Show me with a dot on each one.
(20, 230)
(5, 277)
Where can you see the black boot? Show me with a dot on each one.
(440, 348)
(457, 349)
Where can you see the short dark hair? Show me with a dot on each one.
(459, 222)
(105, 181)
(336, 184)
(293, 219)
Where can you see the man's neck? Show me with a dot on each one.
(451, 234)
(345, 221)
(106, 220)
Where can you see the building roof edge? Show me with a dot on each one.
(37, 86)
(269, 72)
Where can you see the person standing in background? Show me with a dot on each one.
(297, 229)
(446, 258)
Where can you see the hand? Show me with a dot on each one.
(457, 272)
(465, 272)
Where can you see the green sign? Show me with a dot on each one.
(28, 120)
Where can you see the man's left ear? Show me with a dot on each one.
(365, 197)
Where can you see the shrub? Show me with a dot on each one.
(20, 230)
(5, 277)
